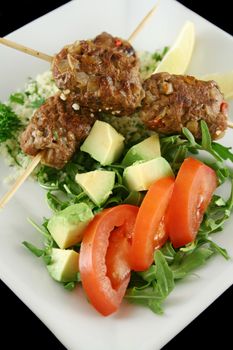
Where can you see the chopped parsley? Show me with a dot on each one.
(17, 97)
(9, 123)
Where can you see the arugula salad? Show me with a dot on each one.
(115, 226)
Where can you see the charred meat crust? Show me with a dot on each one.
(57, 127)
(175, 101)
(103, 72)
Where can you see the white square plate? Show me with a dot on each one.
(68, 315)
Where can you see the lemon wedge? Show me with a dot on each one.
(177, 59)
(224, 81)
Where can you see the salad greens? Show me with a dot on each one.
(63, 189)
(148, 288)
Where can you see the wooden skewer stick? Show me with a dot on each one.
(37, 159)
(48, 58)
(142, 23)
(26, 50)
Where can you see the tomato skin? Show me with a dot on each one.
(149, 233)
(104, 295)
(193, 190)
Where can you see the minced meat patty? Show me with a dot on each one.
(103, 72)
(176, 101)
(57, 128)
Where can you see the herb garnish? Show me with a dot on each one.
(9, 123)
(17, 97)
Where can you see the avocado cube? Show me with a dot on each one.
(146, 150)
(67, 226)
(104, 143)
(139, 176)
(97, 184)
(64, 265)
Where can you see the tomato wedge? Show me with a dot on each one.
(194, 187)
(105, 242)
(149, 233)
(117, 256)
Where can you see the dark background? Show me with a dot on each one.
(18, 324)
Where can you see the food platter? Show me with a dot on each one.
(22, 273)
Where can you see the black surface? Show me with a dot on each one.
(19, 327)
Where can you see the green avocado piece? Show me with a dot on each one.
(104, 143)
(146, 150)
(139, 176)
(97, 184)
(64, 265)
(67, 226)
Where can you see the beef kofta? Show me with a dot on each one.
(57, 128)
(175, 101)
(104, 74)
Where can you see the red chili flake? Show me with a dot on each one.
(224, 107)
(118, 42)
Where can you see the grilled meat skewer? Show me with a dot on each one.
(171, 102)
(103, 72)
(39, 155)
(175, 101)
(57, 128)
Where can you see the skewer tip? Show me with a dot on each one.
(144, 21)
